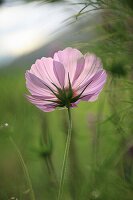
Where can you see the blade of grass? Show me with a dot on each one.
(24, 168)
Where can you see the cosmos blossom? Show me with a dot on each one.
(65, 80)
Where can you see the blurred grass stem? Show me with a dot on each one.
(24, 168)
(65, 156)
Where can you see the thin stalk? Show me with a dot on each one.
(65, 156)
(24, 168)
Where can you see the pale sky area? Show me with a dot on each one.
(26, 27)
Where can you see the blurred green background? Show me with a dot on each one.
(100, 164)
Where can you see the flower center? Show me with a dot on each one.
(66, 97)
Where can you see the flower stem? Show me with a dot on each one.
(24, 168)
(65, 156)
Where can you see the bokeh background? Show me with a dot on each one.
(100, 164)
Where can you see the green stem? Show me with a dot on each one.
(65, 156)
(24, 168)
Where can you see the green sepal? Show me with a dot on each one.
(53, 92)
(70, 92)
(78, 96)
(61, 94)
(58, 102)
(75, 99)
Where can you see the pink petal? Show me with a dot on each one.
(41, 103)
(79, 69)
(86, 97)
(92, 80)
(95, 87)
(43, 69)
(36, 89)
(59, 72)
(46, 109)
(90, 84)
(37, 86)
(92, 66)
(69, 58)
(38, 82)
(94, 97)
(39, 100)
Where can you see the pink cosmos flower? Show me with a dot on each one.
(65, 80)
